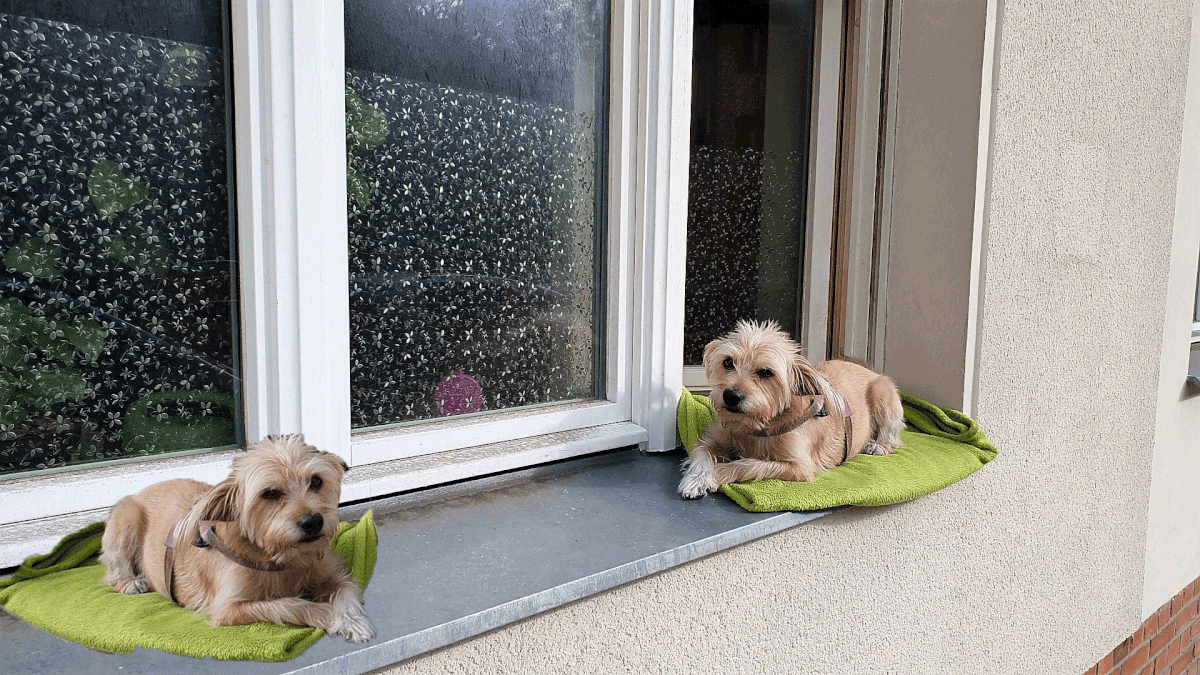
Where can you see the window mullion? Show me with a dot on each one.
(664, 98)
(290, 120)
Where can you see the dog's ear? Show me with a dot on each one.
(801, 384)
(712, 347)
(330, 458)
(221, 502)
(334, 459)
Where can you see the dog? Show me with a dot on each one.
(253, 548)
(778, 416)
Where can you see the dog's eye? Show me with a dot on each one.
(765, 373)
(315, 483)
(271, 494)
(728, 363)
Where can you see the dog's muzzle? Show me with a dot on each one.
(311, 525)
(732, 398)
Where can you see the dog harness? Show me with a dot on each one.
(815, 409)
(207, 537)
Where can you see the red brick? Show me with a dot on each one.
(1151, 625)
(1188, 613)
(1161, 666)
(1165, 635)
(1122, 650)
(1104, 667)
(1136, 661)
(1164, 614)
(1091, 671)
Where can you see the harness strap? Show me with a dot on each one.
(815, 409)
(169, 563)
(849, 429)
(208, 537)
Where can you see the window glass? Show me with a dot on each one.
(752, 70)
(475, 131)
(116, 283)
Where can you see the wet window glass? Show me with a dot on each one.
(116, 284)
(475, 132)
(752, 67)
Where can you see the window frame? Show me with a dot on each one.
(289, 112)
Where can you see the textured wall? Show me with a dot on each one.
(1035, 564)
(1085, 155)
(1173, 535)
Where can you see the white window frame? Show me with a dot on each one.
(288, 82)
(822, 169)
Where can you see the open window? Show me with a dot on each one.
(788, 155)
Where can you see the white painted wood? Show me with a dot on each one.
(693, 378)
(374, 480)
(290, 116)
(32, 497)
(819, 236)
(423, 438)
(979, 226)
(622, 202)
(664, 103)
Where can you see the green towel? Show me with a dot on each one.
(941, 447)
(61, 592)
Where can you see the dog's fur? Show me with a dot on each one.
(757, 374)
(279, 482)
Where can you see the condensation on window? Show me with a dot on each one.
(116, 291)
(475, 177)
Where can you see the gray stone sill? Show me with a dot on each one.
(458, 561)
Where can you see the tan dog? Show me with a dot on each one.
(780, 417)
(253, 548)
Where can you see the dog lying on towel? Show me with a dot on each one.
(778, 416)
(253, 548)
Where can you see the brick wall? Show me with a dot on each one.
(1166, 644)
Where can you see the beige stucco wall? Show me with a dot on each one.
(1173, 525)
(1036, 563)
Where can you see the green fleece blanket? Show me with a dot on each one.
(61, 592)
(941, 447)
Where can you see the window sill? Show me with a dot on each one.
(29, 524)
(458, 561)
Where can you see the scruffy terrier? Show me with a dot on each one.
(253, 548)
(778, 416)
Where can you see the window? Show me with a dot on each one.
(476, 190)
(118, 288)
(788, 119)
(455, 225)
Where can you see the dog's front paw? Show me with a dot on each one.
(131, 585)
(696, 483)
(354, 627)
(877, 449)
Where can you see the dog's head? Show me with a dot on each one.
(282, 494)
(754, 373)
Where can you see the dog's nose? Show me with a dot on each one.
(311, 524)
(733, 398)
